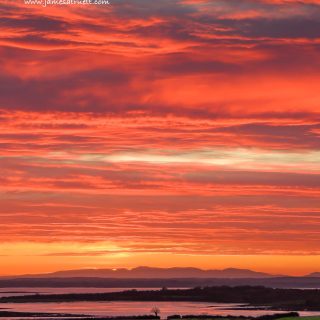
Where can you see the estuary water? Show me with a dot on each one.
(119, 308)
(9, 292)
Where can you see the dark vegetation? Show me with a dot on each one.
(209, 317)
(278, 299)
(7, 314)
(143, 317)
(14, 314)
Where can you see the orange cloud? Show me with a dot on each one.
(181, 130)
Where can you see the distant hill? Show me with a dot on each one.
(147, 277)
(314, 275)
(153, 273)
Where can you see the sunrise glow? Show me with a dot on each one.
(161, 133)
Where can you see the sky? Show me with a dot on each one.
(161, 133)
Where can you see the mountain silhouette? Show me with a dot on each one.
(149, 273)
(314, 275)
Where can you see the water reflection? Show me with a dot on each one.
(120, 308)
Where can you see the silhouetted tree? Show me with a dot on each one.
(156, 311)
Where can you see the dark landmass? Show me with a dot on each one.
(14, 314)
(277, 282)
(143, 317)
(147, 273)
(147, 317)
(65, 316)
(277, 299)
(265, 317)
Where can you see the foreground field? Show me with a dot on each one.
(302, 318)
(65, 316)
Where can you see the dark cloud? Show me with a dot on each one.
(298, 135)
(35, 23)
(291, 28)
(58, 93)
(145, 9)
(256, 178)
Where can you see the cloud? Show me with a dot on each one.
(165, 127)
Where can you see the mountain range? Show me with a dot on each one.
(314, 275)
(158, 273)
(147, 277)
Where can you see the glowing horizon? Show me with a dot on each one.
(277, 264)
